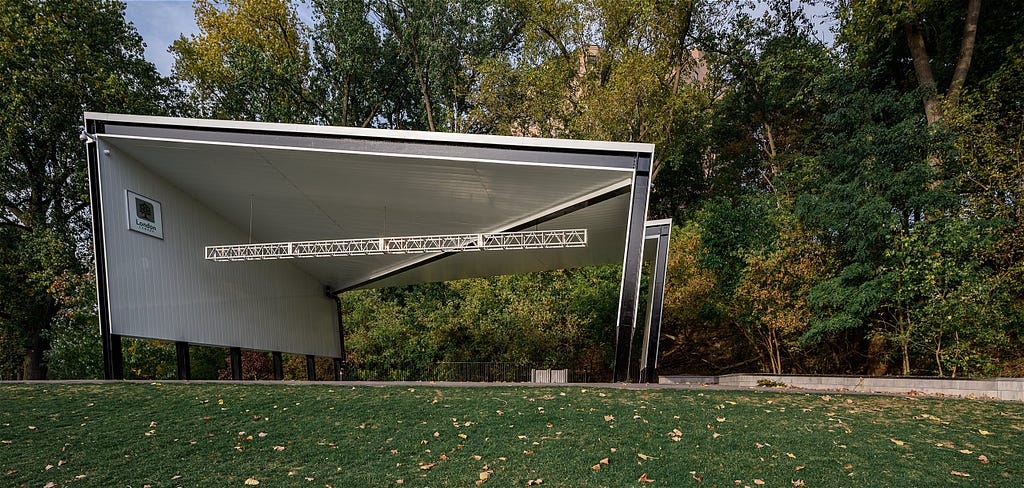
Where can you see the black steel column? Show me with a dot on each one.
(184, 361)
(629, 291)
(339, 367)
(278, 365)
(340, 363)
(660, 234)
(236, 363)
(113, 356)
(311, 367)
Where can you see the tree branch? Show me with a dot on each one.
(966, 52)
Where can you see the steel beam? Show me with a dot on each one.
(629, 290)
(659, 234)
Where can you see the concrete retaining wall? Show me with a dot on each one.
(997, 388)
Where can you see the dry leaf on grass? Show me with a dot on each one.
(644, 479)
(252, 481)
(958, 473)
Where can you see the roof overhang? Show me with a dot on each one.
(284, 182)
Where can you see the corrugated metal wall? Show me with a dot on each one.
(164, 289)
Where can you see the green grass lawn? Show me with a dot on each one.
(137, 434)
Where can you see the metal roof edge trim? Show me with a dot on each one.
(408, 135)
(367, 153)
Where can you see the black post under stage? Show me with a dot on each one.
(236, 363)
(184, 361)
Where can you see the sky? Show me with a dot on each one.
(161, 22)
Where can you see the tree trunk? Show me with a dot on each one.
(876, 353)
(33, 367)
(923, 71)
(922, 63)
(966, 52)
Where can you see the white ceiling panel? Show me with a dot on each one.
(301, 193)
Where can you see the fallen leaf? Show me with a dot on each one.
(957, 473)
(797, 482)
(848, 466)
(798, 468)
(399, 481)
(643, 456)
(250, 481)
(984, 432)
(603, 461)
(791, 455)
(609, 418)
(49, 485)
(32, 427)
(966, 451)
(716, 435)
(278, 448)
(596, 467)
(443, 457)
(897, 442)
(175, 476)
(720, 419)
(427, 466)
(983, 459)
(643, 478)
(477, 457)
(484, 475)
(462, 436)
(535, 482)
(48, 467)
(758, 482)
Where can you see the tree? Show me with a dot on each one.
(57, 59)
(250, 61)
(441, 42)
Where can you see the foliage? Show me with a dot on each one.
(57, 59)
(248, 61)
(559, 319)
(840, 209)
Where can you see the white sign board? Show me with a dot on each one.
(144, 215)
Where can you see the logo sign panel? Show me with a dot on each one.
(144, 215)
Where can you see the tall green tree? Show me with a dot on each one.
(58, 58)
(250, 61)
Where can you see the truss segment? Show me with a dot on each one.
(495, 241)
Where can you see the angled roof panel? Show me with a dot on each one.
(293, 182)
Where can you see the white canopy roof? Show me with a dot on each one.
(295, 182)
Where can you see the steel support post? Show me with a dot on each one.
(278, 365)
(236, 363)
(311, 367)
(113, 356)
(340, 363)
(658, 235)
(184, 361)
(629, 290)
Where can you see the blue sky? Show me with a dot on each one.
(161, 22)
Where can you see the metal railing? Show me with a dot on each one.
(462, 371)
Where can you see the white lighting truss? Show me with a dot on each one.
(497, 241)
